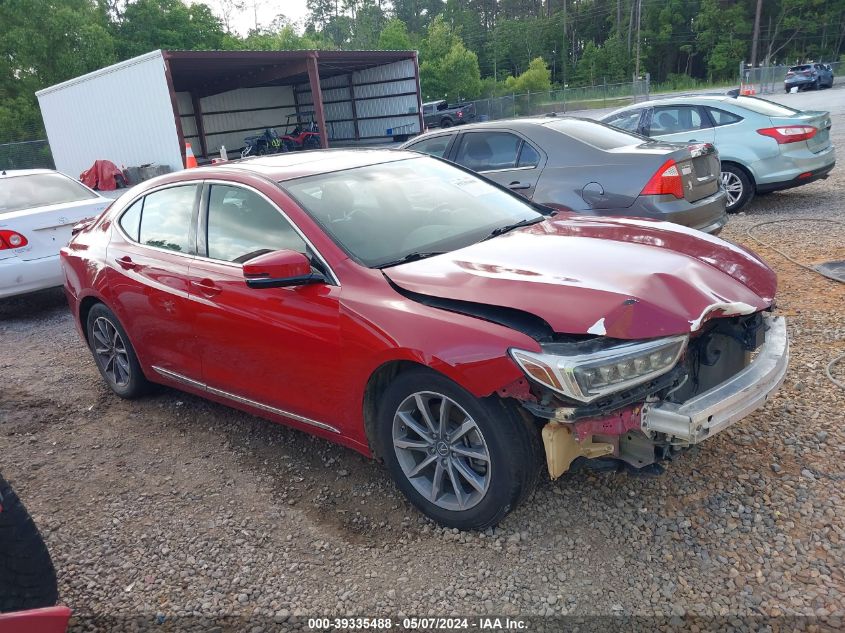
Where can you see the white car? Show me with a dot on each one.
(38, 209)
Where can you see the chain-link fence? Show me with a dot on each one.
(26, 155)
(604, 95)
(769, 79)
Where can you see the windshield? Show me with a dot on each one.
(383, 213)
(797, 68)
(597, 134)
(767, 108)
(39, 190)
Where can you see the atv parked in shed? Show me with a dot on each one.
(268, 142)
(301, 137)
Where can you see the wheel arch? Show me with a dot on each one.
(85, 306)
(378, 382)
(744, 169)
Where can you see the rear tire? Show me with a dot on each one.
(737, 185)
(470, 472)
(114, 355)
(446, 123)
(27, 575)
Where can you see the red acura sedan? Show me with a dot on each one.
(415, 312)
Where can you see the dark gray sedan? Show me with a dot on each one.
(590, 168)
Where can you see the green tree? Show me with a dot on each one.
(169, 24)
(394, 37)
(447, 69)
(537, 78)
(723, 37)
(69, 38)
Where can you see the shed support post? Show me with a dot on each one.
(354, 108)
(195, 103)
(317, 96)
(419, 92)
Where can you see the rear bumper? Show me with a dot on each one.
(722, 406)
(707, 214)
(19, 276)
(814, 174)
(804, 81)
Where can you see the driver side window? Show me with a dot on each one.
(242, 225)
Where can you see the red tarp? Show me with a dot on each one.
(103, 176)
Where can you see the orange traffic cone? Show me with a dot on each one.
(190, 159)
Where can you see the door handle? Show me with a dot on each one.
(207, 287)
(693, 140)
(516, 185)
(126, 263)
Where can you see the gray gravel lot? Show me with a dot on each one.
(179, 508)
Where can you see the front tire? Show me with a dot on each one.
(463, 462)
(737, 186)
(114, 355)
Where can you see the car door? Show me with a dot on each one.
(503, 157)
(149, 255)
(278, 349)
(680, 124)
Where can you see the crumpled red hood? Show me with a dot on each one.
(621, 277)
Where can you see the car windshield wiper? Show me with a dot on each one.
(410, 257)
(500, 230)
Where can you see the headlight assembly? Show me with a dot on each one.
(586, 375)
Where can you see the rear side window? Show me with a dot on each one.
(528, 156)
(39, 190)
(720, 117)
(130, 221)
(675, 119)
(629, 121)
(243, 225)
(488, 151)
(433, 146)
(596, 134)
(166, 218)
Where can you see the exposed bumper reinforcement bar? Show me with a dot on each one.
(718, 408)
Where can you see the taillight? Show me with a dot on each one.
(459, 113)
(666, 180)
(789, 133)
(11, 239)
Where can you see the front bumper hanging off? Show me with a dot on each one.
(718, 408)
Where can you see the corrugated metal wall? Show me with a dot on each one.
(121, 113)
(385, 98)
(228, 117)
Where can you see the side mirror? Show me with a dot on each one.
(280, 269)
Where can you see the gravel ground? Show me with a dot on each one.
(172, 509)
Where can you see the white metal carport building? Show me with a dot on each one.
(142, 110)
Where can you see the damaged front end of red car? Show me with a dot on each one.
(632, 362)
